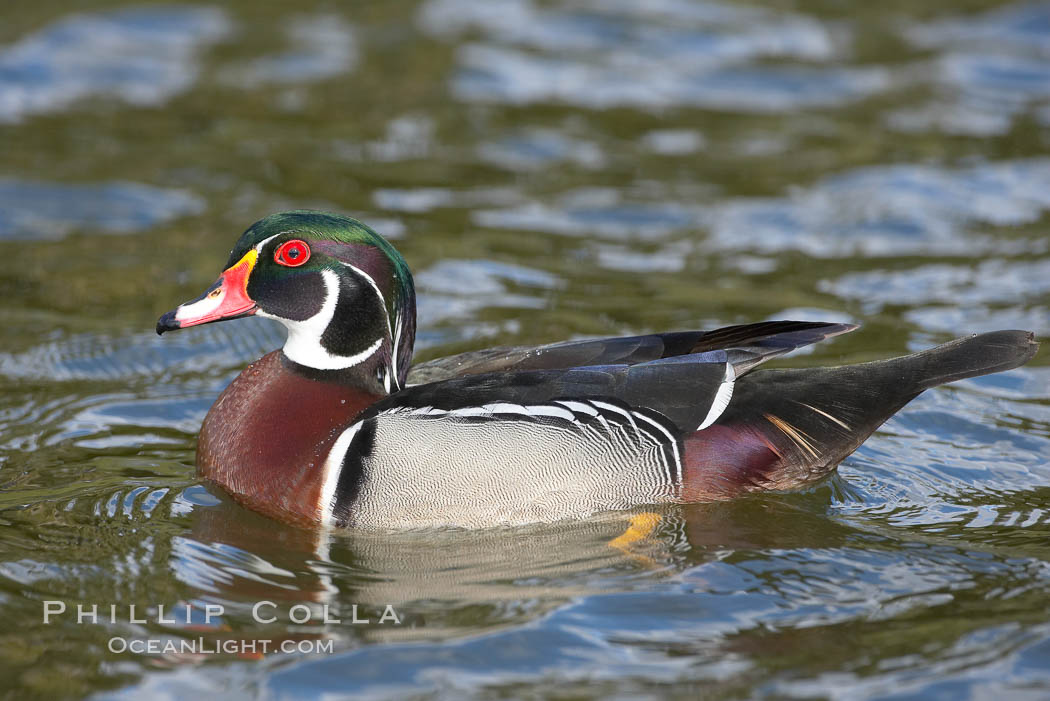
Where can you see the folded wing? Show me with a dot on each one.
(759, 342)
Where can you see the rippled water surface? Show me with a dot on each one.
(550, 170)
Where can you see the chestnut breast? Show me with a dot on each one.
(266, 437)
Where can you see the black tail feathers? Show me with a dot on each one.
(811, 419)
(970, 357)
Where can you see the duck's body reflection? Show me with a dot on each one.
(354, 585)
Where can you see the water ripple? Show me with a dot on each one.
(991, 281)
(143, 56)
(324, 47)
(892, 210)
(145, 355)
(48, 211)
(601, 55)
(458, 289)
(1025, 24)
(495, 74)
(599, 211)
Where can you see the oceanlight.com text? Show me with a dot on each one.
(204, 646)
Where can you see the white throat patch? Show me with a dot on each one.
(304, 337)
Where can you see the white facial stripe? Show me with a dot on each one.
(259, 246)
(200, 307)
(348, 361)
(722, 397)
(304, 337)
(379, 293)
(393, 352)
(386, 315)
(333, 466)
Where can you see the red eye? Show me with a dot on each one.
(292, 253)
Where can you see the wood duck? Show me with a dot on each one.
(335, 429)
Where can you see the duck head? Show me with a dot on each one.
(342, 291)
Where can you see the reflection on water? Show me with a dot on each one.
(35, 210)
(323, 48)
(605, 54)
(550, 170)
(993, 68)
(894, 210)
(141, 55)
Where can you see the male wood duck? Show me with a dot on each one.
(334, 429)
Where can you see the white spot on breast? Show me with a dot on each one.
(333, 466)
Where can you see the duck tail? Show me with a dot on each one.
(976, 355)
(785, 428)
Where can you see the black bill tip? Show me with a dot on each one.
(168, 322)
